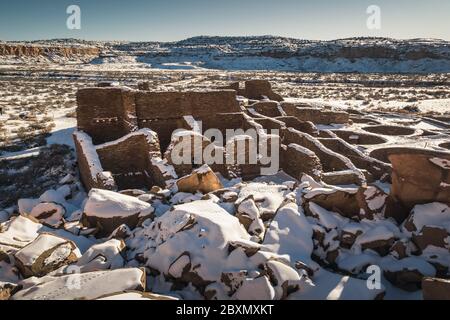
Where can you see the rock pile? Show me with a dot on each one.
(246, 241)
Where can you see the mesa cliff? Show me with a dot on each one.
(19, 50)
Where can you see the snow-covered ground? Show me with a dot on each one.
(200, 249)
(196, 246)
(64, 128)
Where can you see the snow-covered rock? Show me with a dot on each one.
(268, 198)
(354, 203)
(102, 256)
(255, 289)
(45, 254)
(250, 217)
(331, 286)
(429, 225)
(49, 213)
(191, 243)
(82, 286)
(17, 233)
(290, 234)
(107, 210)
(21, 231)
(136, 296)
(379, 238)
(407, 273)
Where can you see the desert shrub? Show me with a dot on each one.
(23, 133)
(37, 126)
(14, 117)
(71, 114)
(31, 118)
(48, 128)
(4, 138)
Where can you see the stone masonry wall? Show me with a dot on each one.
(129, 160)
(317, 116)
(170, 105)
(110, 113)
(105, 113)
(89, 179)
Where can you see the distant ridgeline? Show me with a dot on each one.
(261, 53)
(29, 50)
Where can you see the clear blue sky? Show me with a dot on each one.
(168, 20)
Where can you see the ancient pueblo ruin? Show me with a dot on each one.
(211, 185)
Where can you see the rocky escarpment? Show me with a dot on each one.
(382, 55)
(279, 47)
(25, 50)
(278, 53)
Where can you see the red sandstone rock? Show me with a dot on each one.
(202, 179)
(402, 249)
(340, 178)
(407, 273)
(267, 108)
(408, 280)
(420, 176)
(431, 236)
(258, 89)
(7, 290)
(436, 289)
(428, 225)
(348, 238)
(297, 161)
(357, 203)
